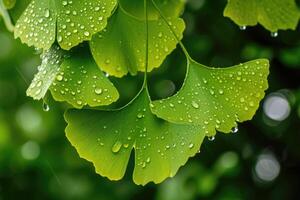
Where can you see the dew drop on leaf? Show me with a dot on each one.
(211, 138)
(116, 147)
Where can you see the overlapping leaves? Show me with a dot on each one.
(216, 98)
(211, 98)
(274, 15)
(121, 40)
(71, 22)
(104, 138)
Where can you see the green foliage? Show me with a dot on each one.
(104, 138)
(274, 15)
(215, 98)
(120, 49)
(163, 133)
(80, 83)
(47, 72)
(71, 22)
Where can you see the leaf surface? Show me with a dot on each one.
(216, 98)
(75, 79)
(81, 83)
(274, 15)
(120, 48)
(47, 71)
(71, 22)
(107, 140)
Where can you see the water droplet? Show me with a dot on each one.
(59, 78)
(243, 28)
(140, 116)
(274, 34)
(47, 13)
(212, 138)
(195, 104)
(234, 129)
(116, 147)
(191, 146)
(98, 91)
(46, 107)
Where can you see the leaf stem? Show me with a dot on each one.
(186, 53)
(7, 21)
(147, 43)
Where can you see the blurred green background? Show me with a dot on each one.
(261, 161)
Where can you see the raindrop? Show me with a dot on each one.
(195, 104)
(116, 147)
(46, 107)
(234, 129)
(243, 28)
(274, 34)
(98, 91)
(212, 138)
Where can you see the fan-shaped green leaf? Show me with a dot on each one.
(72, 21)
(80, 82)
(215, 98)
(75, 79)
(160, 147)
(274, 15)
(120, 48)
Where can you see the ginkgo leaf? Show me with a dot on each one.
(80, 82)
(274, 15)
(71, 22)
(120, 48)
(75, 79)
(47, 71)
(216, 98)
(160, 147)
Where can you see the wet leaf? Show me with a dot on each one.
(160, 147)
(216, 98)
(75, 79)
(70, 22)
(47, 71)
(120, 48)
(274, 15)
(80, 82)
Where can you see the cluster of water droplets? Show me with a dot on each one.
(75, 21)
(37, 25)
(273, 34)
(83, 85)
(128, 42)
(79, 20)
(218, 98)
(47, 71)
